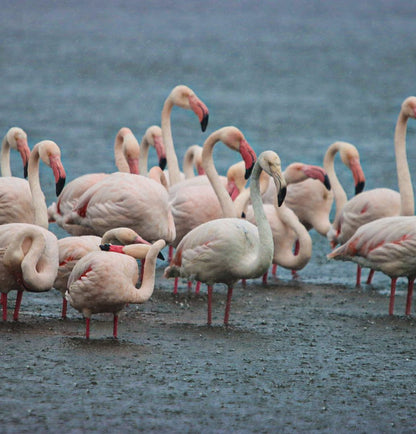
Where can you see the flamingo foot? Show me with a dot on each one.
(115, 326)
(358, 282)
(265, 278)
(87, 328)
(209, 321)
(274, 269)
(17, 305)
(409, 296)
(175, 285)
(228, 305)
(197, 287)
(370, 277)
(64, 307)
(392, 294)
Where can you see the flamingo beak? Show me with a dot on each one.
(327, 183)
(281, 196)
(24, 151)
(59, 173)
(200, 109)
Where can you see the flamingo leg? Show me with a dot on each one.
(274, 269)
(4, 305)
(358, 282)
(409, 295)
(197, 287)
(228, 305)
(189, 285)
(265, 278)
(295, 253)
(64, 307)
(87, 328)
(370, 276)
(392, 294)
(17, 305)
(115, 326)
(209, 321)
(175, 285)
(243, 282)
(170, 253)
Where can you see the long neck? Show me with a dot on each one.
(265, 252)
(339, 194)
(407, 206)
(284, 254)
(5, 158)
(38, 198)
(120, 160)
(227, 206)
(171, 158)
(144, 155)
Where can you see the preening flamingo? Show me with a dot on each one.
(28, 261)
(72, 249)
(387, 244)
(105, 281)
(181, 96)
(126, 154)
(380, 202)
(229, 249)
(15, 138)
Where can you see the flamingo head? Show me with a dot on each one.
(17, 139)
(269, 161)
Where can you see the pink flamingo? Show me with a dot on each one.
(105, 281)
(387, 244)
(15, 138)
(152, 137)
(229, 249)
(380, 202)
(72, 249)
(28, 261)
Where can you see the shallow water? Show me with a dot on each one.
(293, 76)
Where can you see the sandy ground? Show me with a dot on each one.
(296, 357)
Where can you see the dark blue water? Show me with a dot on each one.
(294, 76)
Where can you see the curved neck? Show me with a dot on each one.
(171, 158)
(5, 158)
(144, 155)
(38, 198)
(227, 206)
(339, 194)
(263, 227)
(120, 160)
(403, 173)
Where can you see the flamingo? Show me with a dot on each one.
(388, 245)
(152, 137)
(229, 249)
(73, 248)
(15, 138)
(380, 202)
(193, 159)
(126, 154)
(181, 96)
(286, 228)
(28, 261)
(105, 281)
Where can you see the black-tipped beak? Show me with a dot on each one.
(25, 170)
(248, 172)
(204, 122)
(327, 183)
(105, 247)
(160, 256)
(60, 185)
(162, 163)
(281, 196)
(359, 187)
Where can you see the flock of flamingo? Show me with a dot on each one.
(218, 228)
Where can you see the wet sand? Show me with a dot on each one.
(297, 357)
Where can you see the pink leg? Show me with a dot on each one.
(228, 305)
(294, 274)
(17, 305)
(265, 278)
(87, 328)
(170, 253)
(358, 282)
(274, 269)
(197, 287)
(409, 296)
(189, 285)
(115, 326)
(243, 282)
(4, 305)
(175, 285)
(392, 294)
(209, 304)
(64, 307)
(370, 277)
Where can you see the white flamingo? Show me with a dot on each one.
(229, 249)
(15, 138)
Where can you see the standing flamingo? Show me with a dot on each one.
(181, 96)
(387, 244)
(16, 139)
(193, 160)
(126, 154)
(380, 202)
(105, 281)
(28, 261)
(229, 249)
(152, 137)
(72, 249)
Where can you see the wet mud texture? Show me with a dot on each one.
(296, 358)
